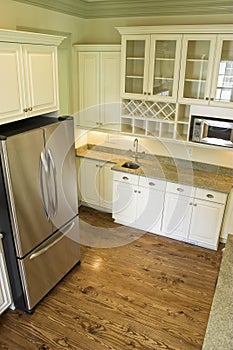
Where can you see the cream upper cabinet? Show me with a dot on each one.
(29, 81)
(150, 66)
(41, 82)
(196, 68)
(12, 98)
(97, 85)
(207, 70)
(222, 86)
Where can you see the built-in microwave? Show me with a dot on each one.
(212, 131)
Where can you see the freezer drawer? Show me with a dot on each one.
(45, 266)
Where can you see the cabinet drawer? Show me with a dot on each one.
(213, 196)
(184, 190)
(125, 177)
(152, 183)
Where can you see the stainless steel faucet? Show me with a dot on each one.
(135, 144)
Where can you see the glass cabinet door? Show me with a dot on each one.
(135, 65)
(165, 66)
(196, 67)
(223, 86)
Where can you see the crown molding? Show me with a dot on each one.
(17, 36)
(134, 8)
(177, 29)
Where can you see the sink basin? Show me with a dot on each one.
(130, 165)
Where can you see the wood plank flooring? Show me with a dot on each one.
(153, 293)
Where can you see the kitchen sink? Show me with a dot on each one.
(130, 165)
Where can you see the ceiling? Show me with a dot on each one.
(134, 8)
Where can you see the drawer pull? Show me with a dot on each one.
(179, 189)
(209, 195)
(125, 178)
(151, 183)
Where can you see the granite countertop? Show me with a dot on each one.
(174, 170)
(219, 332)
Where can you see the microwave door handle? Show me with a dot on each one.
(54, 180)
(44, 170)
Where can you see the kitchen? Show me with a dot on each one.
(120, 144)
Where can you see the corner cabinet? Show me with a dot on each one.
(5, 294)
(97, 86)
(95, 183)
(28, 70)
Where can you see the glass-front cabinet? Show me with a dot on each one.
(151, 66)
(223, 74)
(197, 64)
(206, 75)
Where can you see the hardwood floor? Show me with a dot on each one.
(150, 294)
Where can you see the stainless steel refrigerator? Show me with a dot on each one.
(38, 205)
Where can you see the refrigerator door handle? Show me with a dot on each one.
(41, 251)
(54, 199)
(44, 169)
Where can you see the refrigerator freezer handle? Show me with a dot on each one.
(43, 250)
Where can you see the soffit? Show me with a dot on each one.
(134, 8)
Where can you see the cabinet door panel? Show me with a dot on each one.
(106, 180)
(89, 88)
(5, 296)
(177, 215)
(12, 99)
(197, 64)
(110, 89)
(165, 63)
(222, 93)
(135, 64)
(41, 78)
(149, 209)
(124, 203)
(89, 182)
(206, 222)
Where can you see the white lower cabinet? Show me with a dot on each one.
(138, 201)
(95, 183)
(5, 295)
(195, 217)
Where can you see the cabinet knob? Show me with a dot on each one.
(125, 178)
(149, 93)
(30, 109)
(179, 189)
(139, 191)
(151, 183)
(144, 93)
(209, 195)
(195, 204)
(207, 98)
(135, 191)
(190, 203)
(211, 99)
(25, 110)
(97, 166)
